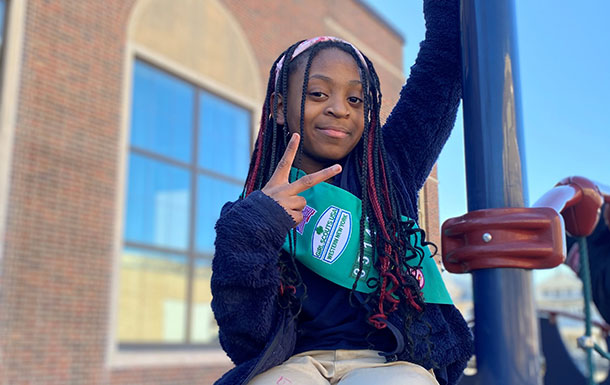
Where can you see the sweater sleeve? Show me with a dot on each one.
(425, 113)
(245, 277)
(599, 265)
(598, 246)
(440, 339)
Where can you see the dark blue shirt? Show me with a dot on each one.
(328, 321)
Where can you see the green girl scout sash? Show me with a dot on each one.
(328, 243)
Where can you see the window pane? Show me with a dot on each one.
(212, 194)
(152, 301)
(224, 140)
(2, 23)
(158, 200)
(204, 329)
(162, 113)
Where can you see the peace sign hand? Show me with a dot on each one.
(285, 193)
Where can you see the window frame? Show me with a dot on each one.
(195, 170)
(8, 4)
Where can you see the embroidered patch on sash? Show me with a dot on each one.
(419, 276)
(308, 212)
(332, 233)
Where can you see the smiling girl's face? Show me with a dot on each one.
(334, 108)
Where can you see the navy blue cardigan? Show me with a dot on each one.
(255, 331)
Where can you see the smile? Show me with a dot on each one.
(333, 132)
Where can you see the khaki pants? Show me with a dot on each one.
(344, 367)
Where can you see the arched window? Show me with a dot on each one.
(190, 132)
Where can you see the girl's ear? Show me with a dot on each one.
(279, 117)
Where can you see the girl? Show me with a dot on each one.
(321, 275)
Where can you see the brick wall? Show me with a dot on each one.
(432, 215)
(56, 274)
(59, 241)
(273, 29)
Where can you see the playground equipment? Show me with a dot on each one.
(501, 238)
(532, 238)
(579, 200)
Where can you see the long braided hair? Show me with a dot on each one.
(397, 287)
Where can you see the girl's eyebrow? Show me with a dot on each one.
(330, 80)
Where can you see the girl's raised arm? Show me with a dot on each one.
(421, 121)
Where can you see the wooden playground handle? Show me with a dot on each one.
(582, 213)
(527, 238)
(519, 237)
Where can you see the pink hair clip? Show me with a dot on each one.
(308, 43)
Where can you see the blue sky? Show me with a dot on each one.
(564, 60)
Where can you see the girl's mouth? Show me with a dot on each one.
(333, 132)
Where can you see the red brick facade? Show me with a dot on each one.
(59, 253)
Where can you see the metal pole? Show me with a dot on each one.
(506, 328)
(585, 276)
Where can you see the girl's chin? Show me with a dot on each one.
(321, 161)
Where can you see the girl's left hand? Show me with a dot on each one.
(285, 193)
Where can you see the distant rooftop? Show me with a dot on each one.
(383, 20)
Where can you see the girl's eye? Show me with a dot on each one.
(354, 100)
(317, 94)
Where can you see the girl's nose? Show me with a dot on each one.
(338, 108)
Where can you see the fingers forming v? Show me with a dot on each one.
(310, 180)
(282, 171)
(281, 174)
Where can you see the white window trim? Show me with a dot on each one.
(157, 358)
(14, 21)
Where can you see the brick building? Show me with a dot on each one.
(125, 124)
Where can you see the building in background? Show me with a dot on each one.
(561, 293)
(125, 125)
